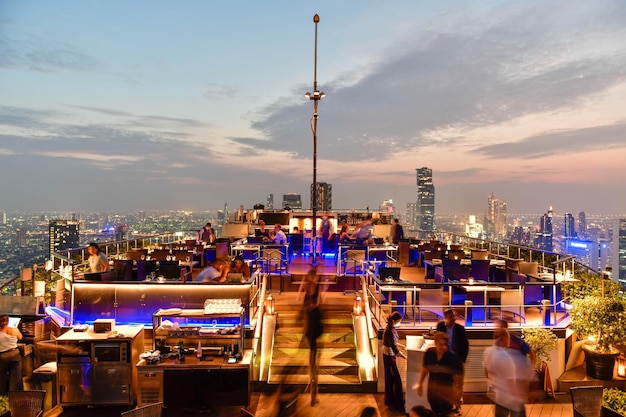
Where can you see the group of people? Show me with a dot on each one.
(218, 270)
(507, 365)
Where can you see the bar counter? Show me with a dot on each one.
(194, 383)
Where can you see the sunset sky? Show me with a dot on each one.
(138, 105)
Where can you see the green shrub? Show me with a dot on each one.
(614, 399)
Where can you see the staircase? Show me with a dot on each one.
(338, 369)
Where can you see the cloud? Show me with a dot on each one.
(528, 60)
(560, 142)
(43, 55)
(219, 92)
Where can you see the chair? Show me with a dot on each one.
(26, 403)
(479, 254)
(356, 258)
(160, 254)
(533, 294)
(123, 269)
(108, 276)
(135, 255)
(455, 254)
(170, 270)
(145, 268)
(587, 401)
(150, 410)
(480, 269)
(530, 269)
(511, 301)
(431, 300)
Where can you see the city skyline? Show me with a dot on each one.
(118, 106)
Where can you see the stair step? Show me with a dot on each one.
(327, 357)
(322, 379)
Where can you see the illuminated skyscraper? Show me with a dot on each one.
(582, 224)
(544, 237)
(425, 216)
(64, 234)
(324, 196)
(495, 223)
(569, 230)
(619, 252)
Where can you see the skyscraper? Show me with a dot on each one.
(425, 202)
(293, 201)
(411, 215)
(324, 196)
(544, 237)
(64, 234)
(269, 203)
(582, 224)
(20, 237)
(619, 252)
(495, 223)
(569, 230)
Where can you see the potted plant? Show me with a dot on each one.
(542, 341)
(600, 320)
(4, 406)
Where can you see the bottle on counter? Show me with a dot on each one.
(181, 351)
(199, 351)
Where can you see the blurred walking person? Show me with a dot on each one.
(313, 327)
(393, 383)
(508, 374)
(445, 373)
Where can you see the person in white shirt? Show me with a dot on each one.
(10, 358)
(98, 261)
(277, 235)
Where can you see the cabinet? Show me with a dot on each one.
(218, 328)
(98, 368)
(197, 383)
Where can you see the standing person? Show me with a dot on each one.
(393, 383)
(206, 234)
(98, 261)
(325, 232)
(362, 232)
(517, 342)
(396, 232)
(10, 358)
(445, 371)
(313, 327)
(508, 374)
(457, 343)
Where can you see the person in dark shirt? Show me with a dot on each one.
(445, 373)
(457, 343)
(396, 232)
(393, 383)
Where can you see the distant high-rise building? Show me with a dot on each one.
(585, 251)
(425, 202)
(495, 223)
(619, 252)
(20, 237)
(544, 237)
(411, 215)
(4, 217)
(64, 234)
(582, 224)
(521, 236)
(387, 207)
(269, 203)
(473, 229)
(292, 201)
(324, 196)
(569, 230)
